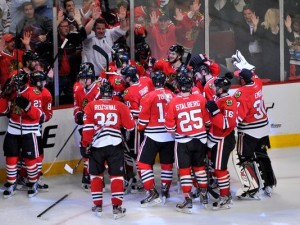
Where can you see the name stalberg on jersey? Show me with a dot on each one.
(187, 105)
(105, 107)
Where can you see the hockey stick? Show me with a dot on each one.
(60, 150)
(188, 58)
(54, 204)
(70, 170)
(104, 54)
(54, 59)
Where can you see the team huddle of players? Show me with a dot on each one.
(134, 111)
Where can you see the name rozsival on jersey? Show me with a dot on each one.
(105, 107)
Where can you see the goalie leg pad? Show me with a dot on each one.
(265, 169)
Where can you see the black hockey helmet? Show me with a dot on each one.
(130, 71)
(246, 75)
(120, 59)
(86, 71)
(106, 90)
(29, 55)
(20, 79)
(142, 51)
(119, 49)
(37, 76)
(185, 83)
(158, 79)
(184, 71)
(222, 82)
(178, 49)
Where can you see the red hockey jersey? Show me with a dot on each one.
(47, 104)
(252, 115)
(188, 117)
(133, 94)
(83, 97)
(21, 122)
(224, 122)
(103, 121)
(152, 116)
(208, 91)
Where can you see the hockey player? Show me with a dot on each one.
(221, 138)
(88, 92)
(30, 61)
(157, 140)
(188, 118)
(138, 87)
(102, 138)
(21, 136)
(144, 58)
(205, 72)
(253, 138)
(114, 77)
(44, 103)
(172, 65)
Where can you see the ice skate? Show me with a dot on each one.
(165, 193)
(268, 191)
(224, 202)
(186, 206)
(32, 189)
(42, 186)
(127, 185)
(204, 197)
(151, 199)
(22, 184)
(98, 210)
(10, 190)
(248, 195)
(86, 183)
(118, 211)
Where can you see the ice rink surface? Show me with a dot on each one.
(283, 208)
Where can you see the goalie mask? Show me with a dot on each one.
(158, 79)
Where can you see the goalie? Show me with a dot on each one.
(251, 160)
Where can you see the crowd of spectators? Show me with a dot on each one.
(254, 26)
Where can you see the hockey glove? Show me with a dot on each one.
(212, 108)
(23, 103)
(79, 118)
(197, 60)
(85, 152)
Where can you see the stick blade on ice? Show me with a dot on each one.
(68, 169)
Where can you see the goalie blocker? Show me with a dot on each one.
(255, 174)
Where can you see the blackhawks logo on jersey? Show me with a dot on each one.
(84, 103)
(37, 91)
(237, 94)
(118, 81)
(229, 102)
(211, 86)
